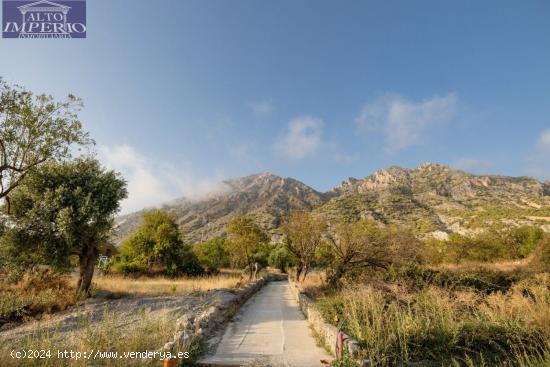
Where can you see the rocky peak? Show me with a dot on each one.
(427, 166)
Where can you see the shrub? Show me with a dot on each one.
(38, 291)
(157, 244)
(213, 254)
(480, 280)
(526, 239)
(541, 256)
(129, 267)
(280, 258)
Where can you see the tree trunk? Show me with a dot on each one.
(306, 270)
(255, 270)
(298, 272)
(87, 265)
(334, 280)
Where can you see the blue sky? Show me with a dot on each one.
(181, 94)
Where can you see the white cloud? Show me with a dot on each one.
(301, 139)
(543, 143)
(402, 122)
(263, 107)
(152, 183)
(538, 163)
(471, 165)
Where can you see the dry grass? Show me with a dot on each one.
(438, 324)
(47, 293)
(105, 336)
(502, 266)
(36, 294)
(161, 286)
(314, 284)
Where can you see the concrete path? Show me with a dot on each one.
(269, 330)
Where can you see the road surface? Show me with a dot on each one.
(269, 330)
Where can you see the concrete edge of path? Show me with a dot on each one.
(328, 333)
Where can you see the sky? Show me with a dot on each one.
(180, 95)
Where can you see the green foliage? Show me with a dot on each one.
(280, 258)
(362, 246)
(324, 256)
(213, 254)
(61, 210)
(157, 245)
(303, 232)
(526, 239)
(480, 280)
(345, 361)
(261, 255)
(245, 239)
(34, 129)
(541, 257)
(490, 245)
(129, 267)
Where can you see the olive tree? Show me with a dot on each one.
(157, 244)
(65, 209)
(303, 233)
(245, 239)
(33, 130)
(363, 245)
(213, 254)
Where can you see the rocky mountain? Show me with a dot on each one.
(265, 196)
(431, 199)
(435, 197)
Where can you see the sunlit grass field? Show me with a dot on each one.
(162, 286)
(491, 314)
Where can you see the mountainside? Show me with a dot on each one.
(431, 198)
(265, 196)
(434, 197)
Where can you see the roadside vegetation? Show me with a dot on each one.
(468, 312)
(481, 299)
(105, 335)
(165, 286)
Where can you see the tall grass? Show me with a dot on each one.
(106, 335)
(35, 294)
(441, 325)
(159, 286)
(47, 293)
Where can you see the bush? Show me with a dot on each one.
(213, 254)
(490, 245)
(526, 239)
(157, 245)
(36, 292)
(261, 255)
(541, 257)
(129, 267)
(280, 258)
(480, 280)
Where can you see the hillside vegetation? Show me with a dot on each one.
(429, 198)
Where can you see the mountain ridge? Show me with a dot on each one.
(429, 198)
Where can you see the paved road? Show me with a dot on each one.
(269, 330)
